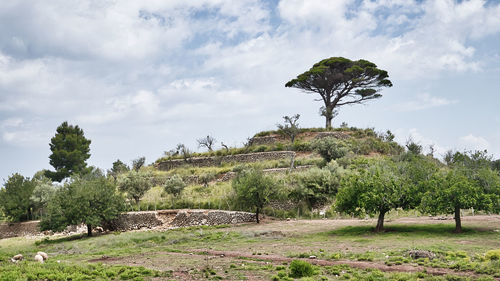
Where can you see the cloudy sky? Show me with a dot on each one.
(141, 76)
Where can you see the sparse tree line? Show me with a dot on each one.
(350, 183)
(373, 186)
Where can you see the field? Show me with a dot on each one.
(337, 249)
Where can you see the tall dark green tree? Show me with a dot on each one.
(340, 81)
(70, 151)
(91, 200)
(15, 198)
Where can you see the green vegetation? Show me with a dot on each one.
(91, 200)
(167, 253)
(70, 149)
(15, 198)
(253, 189)
(340, 81)
(135, 183)
(62, 272)
(300, 268)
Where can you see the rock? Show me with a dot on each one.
(418, 254)
(39, 258)
(99, 229)
(44, 255)
(312, 257)
(18, 257)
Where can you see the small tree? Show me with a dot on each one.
(90, 200)
(174, 185)
(44, 191)
(70, 149)
(413, 147)
(290, 128)
(375, 190)
(330, 148)
(138, 163)
(135, 184)
(340, 81)
(253, 189)
(118, 168)
(207, 142)
(316, 186)
(468, 183)
(15, 198)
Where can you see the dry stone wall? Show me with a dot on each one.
(162, 219)
(265, 140)
(215, 161)
(8, 230)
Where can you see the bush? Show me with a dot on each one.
(493, 255)
(316, 185)
(174, 185)
(300, 268)
(330, 148)
(301, 146)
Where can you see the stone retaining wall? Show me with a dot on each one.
(215, 161)
(265, 140)
(177, 218)
(29, 228)
(162, 219)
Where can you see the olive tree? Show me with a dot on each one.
(451, 190)
(290, 128)
(374, 190)
(253, 189)
(135, 184)
(91, 200)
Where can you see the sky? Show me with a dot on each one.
(139, 77)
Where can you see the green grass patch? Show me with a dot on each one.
(61, 272)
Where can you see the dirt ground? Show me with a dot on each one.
(276, 238)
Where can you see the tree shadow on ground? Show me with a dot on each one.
(48, 241)
(409, 230)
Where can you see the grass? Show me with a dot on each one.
(162, 252)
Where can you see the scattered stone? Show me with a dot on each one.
(39, 258)
(99, 229)
(287, 219)
(44, 255)
(312, 257)
(417, 254)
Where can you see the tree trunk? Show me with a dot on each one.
(458, 222)
(89, 230)
(328, 125)
(257, 214)
(380, 222)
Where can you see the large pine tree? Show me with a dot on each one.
(70, 149)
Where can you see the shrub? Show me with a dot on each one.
(330, 148)
(301, 146)
(315, 185)
(174, 185)
(300, 268)
(493, 255)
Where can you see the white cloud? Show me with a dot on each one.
(424, 101)
(471, 142)
(184, 66)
